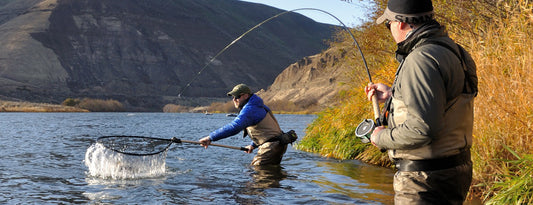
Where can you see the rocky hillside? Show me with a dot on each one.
(145, 52)
(312, 82)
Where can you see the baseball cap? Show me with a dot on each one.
(239, 90)
(407, 11)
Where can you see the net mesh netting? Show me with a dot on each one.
(135, 145)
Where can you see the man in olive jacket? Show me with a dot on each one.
(257, 121)
(429, 108)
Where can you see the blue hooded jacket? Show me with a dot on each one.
(251, 114)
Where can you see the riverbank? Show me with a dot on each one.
(14, 106)
(498, 40)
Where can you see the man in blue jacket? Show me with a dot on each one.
(257, 121)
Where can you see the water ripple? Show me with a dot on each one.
(51, 158)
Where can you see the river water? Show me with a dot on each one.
(43, 161)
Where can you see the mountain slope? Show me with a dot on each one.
(144, 53)
(313, 82)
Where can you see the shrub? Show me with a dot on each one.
(70, 102)
(98, 105)
(175, 108)
(226, 107)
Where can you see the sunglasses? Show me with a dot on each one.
(237, 97)
(387, 24)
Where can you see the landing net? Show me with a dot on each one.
(112, 159)
(135, 145)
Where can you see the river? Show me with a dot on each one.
(43, 161)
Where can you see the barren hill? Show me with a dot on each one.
(145, 52)
(313, 81)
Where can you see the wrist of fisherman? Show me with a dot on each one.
(208, 138)
(374, 138)
(213, 137)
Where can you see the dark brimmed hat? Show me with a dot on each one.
(408, 11)
(239, 90)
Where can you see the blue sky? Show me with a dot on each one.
(351, 14)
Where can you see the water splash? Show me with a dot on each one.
(107, 164)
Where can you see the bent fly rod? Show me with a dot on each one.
(375, 104)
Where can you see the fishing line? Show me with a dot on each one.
(267, 20)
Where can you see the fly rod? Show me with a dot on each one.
(375, 103)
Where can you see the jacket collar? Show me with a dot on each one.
(431, 29)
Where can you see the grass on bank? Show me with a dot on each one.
(514, 184)
(68, 105)
(497, 34)
(12, 106)
(95, 105)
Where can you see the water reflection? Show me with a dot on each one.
(357, 180)
(267, 176)
(265, 181)
(309, 179)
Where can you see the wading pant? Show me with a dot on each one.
(447, 186)
(269, 153)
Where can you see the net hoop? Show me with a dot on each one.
(104, 140)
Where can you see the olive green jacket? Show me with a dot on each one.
(430, 115)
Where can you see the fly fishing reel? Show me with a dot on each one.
(364, 130)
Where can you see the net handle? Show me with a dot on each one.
(172, 140)
(176, 140)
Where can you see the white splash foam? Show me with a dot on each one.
(105, 163)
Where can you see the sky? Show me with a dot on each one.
(351, 14)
